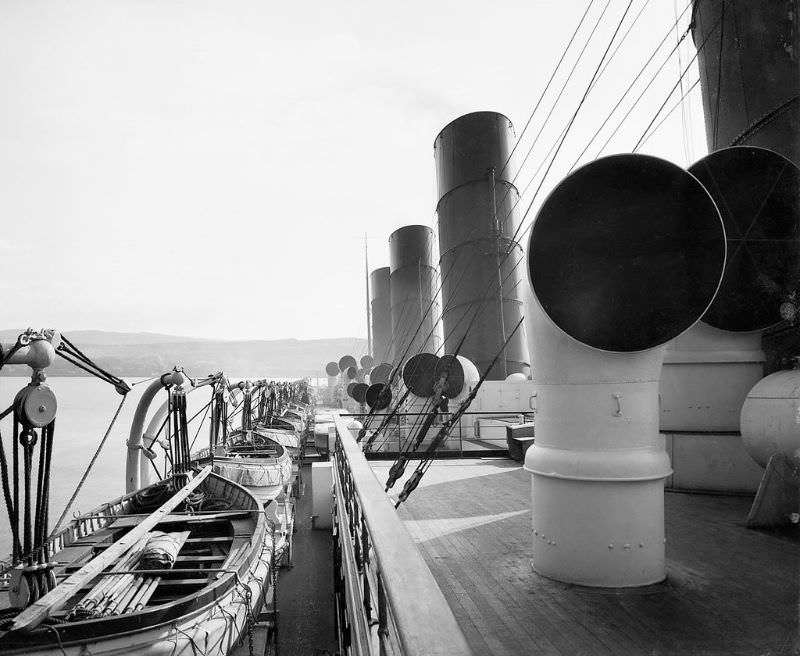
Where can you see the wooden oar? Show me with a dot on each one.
(35, 614)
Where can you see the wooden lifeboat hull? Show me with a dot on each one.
(257, 462)
(204, 603)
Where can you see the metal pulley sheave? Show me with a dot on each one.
(35, 405)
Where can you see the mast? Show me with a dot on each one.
(366, 301)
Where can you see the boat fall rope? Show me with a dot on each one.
(430, 453)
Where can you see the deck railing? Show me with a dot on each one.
(387, 599)
(482, 431)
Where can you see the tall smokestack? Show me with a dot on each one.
(412, 289)
(478, 217)
(749, 72)
(380, 308)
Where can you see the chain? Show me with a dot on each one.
(274, 576)
(248, 596)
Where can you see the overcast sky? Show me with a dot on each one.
(209, 168)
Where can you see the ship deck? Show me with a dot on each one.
(729, 590)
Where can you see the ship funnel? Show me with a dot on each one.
(749, 71)
(478, 218)
(412, 288)
(625, 254)
(380, 311)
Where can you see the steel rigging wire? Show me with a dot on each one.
(681, 102)
(518, 141)
(562, 138)
(512, 241)
(591, 86)
(598, 71)
(506, 255)
(546, 87)
(633, 83)
(560, 144)
(649, 84)
(558, 98)
(564, 53)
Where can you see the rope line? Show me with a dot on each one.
(88, 468)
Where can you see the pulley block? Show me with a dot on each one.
(36, 405)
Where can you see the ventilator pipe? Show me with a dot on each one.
(626, 254)
(132, 465)
(463, 377)
(598, 453)
(328, 396)
(151, 432)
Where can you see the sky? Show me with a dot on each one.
(210, 168)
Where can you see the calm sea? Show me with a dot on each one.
(85, 409)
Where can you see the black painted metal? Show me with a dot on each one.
(380, 311)
(626, 253)
(469, 145)
(418, 374)
(380, 373)
(360, 392)
(450, 365)
(757, 192)
(412, 283)
(749, 72)
(478, 216)
(345, 362)
(378, 396)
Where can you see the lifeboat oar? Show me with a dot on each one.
(39, 611)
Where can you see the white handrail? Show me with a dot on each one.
(423, 620)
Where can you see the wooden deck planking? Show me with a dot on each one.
(729, 590)
(504, 605)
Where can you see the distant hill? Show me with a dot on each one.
(148, 354)
(107, 338)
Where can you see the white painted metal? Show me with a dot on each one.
(37, 353)
(329, 391)
(134, 443)
(471, 378)
(598, 465)
(321, 500)
(418, 611)
(770, 418)
(150, 434)
(331, 438)
(706, 376)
